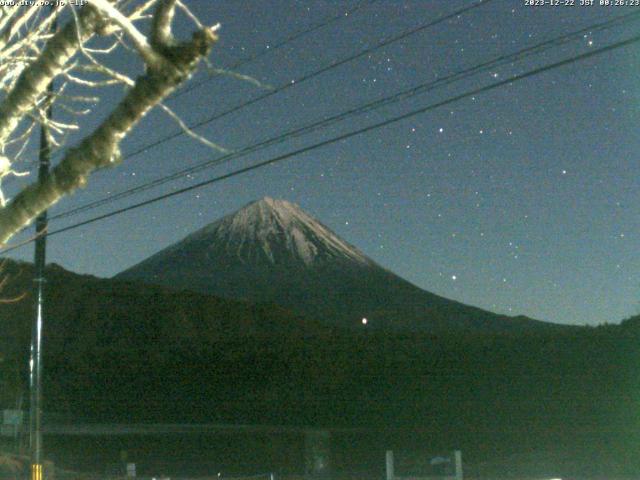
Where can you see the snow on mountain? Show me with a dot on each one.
(271, 251)
(277, 228)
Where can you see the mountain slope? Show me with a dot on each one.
(115, 349)
(85, 313)
(122, 352)
(273, 251)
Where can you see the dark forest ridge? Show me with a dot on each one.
(273, 251)
(112, 347)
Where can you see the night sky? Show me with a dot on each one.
(521, 200)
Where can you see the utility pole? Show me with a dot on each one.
(35, 364)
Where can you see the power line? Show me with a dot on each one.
(309, 76)
(276, 46)
(422, 88)
(272, 48)
(353, 133)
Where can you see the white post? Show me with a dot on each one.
(317, 454)
(390, 472)
(458, 459)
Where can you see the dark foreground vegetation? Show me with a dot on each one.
(122, 352)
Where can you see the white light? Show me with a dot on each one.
(364, 321)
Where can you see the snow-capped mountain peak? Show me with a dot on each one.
(277, 231)
(272, 251)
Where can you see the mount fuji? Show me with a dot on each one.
(272, 251)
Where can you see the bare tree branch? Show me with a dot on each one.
(32, 56)
(191, 133)
(161, 25)
(140, 42)
(34, 79)
(101, 148)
